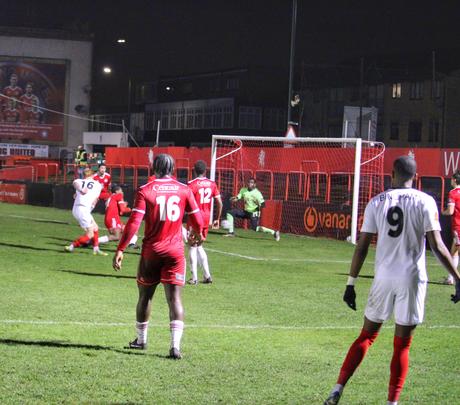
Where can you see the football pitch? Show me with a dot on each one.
(271, 329)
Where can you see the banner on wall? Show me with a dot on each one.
(29, 87)
(19, 149)
(13, 193)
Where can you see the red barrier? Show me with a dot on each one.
(116, 171)
(41, 171)
(24, 173)
(53, 170)
(139, 176)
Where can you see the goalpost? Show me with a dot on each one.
(312, 186)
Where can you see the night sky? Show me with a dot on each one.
(189, 36)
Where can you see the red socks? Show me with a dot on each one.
(355, 355)
(96, 239)
(82, 240)
(399, 366)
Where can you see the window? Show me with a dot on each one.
(396, 90)
(434, 131)
(416, 91)
(274, 119)
(436, 89)
(250, 117)
(232, 83)
(415, 131)
(394, 131)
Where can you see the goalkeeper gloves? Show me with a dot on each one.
(456, 297)
(350, 297)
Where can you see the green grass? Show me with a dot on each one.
(268, 331)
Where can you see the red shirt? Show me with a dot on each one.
(112, 205)
(14, 92)
(454, 198)
(204, 190)
(105, 181)
(163, 202)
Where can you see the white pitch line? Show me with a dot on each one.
(197, 326)
(39, 219)
(275, 259)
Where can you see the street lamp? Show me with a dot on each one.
(107, 70)
(121, 40)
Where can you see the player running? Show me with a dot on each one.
(164, 202)
(453, 209)
(205, 191)
(400, 217)
(87, 192)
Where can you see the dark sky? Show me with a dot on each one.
(171, 37)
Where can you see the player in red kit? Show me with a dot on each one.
(205, 191)
(453, 209)
(11, 113)
(163, 202)
(105, 179)
(13, 90)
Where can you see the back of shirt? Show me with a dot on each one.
(454, 198)
(401, 217)
(164, 202)
(87, 191)
(204, 190)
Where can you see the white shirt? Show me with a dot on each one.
(87, 192)
(401, 217)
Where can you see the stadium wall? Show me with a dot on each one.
(78, 54)
(430, 161)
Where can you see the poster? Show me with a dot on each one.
(32, 99)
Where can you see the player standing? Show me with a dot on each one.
(205, 191)
(105, 179)
(453, 209)
(164, 202)
(12, 91)
(401, 217)
(87, 192)
(253, 203)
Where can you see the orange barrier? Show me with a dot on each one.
(22, 173)
(41, 171)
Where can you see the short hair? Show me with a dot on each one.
(253, 179)
(115, 188)
(102, 164)
(87, 172)
(405, 167)
(456, 177)
(200, 167)
(163, 165)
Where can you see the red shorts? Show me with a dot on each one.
(167, 269)
(113, 223)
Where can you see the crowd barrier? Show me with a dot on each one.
(303, 185)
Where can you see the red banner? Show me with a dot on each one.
(13, 193)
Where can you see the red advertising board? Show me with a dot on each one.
(32, 99)
(13, 193)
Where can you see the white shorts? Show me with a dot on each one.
(404, 298)
(83, 216)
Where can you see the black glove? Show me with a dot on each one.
(350, 297)
(456, 297)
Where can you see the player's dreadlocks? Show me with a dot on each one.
(200, 167)
(163, 165)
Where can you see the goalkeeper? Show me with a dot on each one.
(253, 203)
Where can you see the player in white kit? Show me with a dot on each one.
(401, 217)
(87, 191)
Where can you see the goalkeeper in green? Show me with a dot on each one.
(253, 203)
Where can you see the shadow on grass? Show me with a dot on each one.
(27, 247)
(111, 275)
(64, 345)
(372, 277)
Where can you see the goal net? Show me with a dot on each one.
(312, 186)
